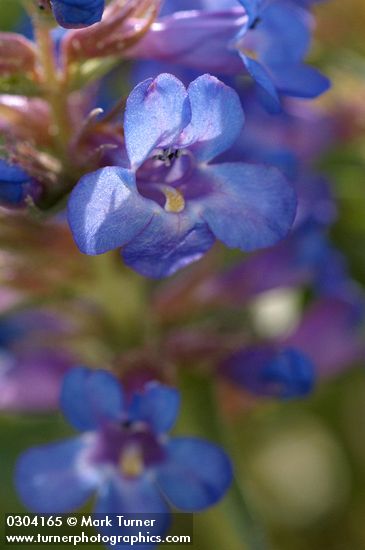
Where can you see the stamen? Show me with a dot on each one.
(255, 22)
(131, 461)
(167, 155)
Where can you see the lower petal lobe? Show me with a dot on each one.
(196, 474)
(169, 243)
(51, 479)
(247, 206)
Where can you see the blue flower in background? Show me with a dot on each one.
(74, 14)
(124, 454)
(273, 46)
(271, 371)
(169, 206)
(271, 38)
(15, 184)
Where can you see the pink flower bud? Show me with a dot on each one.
(121, 27)
(17, 54)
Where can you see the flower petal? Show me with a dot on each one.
(91, 397)
(105, 210)
(156, 113)
(252, 8)
(264, 82)
(158, 405)
(196, 39)
(196, 474)
(247, 206)
(77, 13)
(267, 371)
(132, 496)
(299, 80)
(51, 479)
(169, 243)
(216, 118)
(284, 34)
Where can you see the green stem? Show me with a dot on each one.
(54, 86)
(200, 388)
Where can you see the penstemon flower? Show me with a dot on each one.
(169, 206)
(124, 454)
(273, 46)
(271, 39)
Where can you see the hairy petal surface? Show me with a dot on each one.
(170, 242)
(217, 118)
(247, 206)
(105, 210)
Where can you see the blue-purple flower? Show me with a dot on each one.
(74, 14)
(271, 38)
(124, 454)
(271, 371)
(273, 46)
(171, 203)
(15, 185)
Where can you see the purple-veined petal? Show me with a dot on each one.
(196, 474)
(158, 405)
(216, 118)
(196, 39)
(91, 397)
(182, 5)
(156, 113)
(170, 242)
(105, 210)
(53, 478)
(247, 206)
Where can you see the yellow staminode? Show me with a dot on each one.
(131, 461)
(174, 200)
